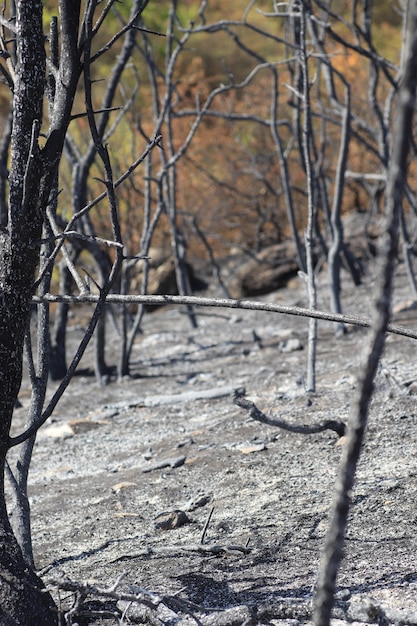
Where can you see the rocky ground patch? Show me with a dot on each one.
(163, 481)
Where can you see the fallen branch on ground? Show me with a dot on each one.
(149, 600)
(362, 609)
(303, 429)
(213, 549)
(141, 596)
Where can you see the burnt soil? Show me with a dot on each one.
(102, 505)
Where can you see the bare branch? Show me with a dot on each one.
(251, 305)
(301, 429)
(77, 116)
(77, 278)
(153, 143)
(8, 24)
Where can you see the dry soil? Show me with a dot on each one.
(237, 516)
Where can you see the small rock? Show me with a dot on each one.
(197, 502)
(171, 519)
(83, 425)
(365, 609)
(290, 345)
(412, 389)
(185, 442)
(172, 462)
(59, 431)
(123, 486)
(342, 594)
(102, 413)
(138, 613)
(236, 616)
(257, 447)
(148, 455)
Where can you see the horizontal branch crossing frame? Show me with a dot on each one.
(228, 303)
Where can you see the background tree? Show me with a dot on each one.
(262, 115)
(234, 167)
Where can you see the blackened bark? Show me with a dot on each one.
(397, 176)
(20, 253)
(23, 599)
(4, 173)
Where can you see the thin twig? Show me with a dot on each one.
(77, 116)
(206, 525)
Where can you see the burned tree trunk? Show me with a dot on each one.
(23, 600)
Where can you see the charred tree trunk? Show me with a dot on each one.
(23, 599)
(397, 177)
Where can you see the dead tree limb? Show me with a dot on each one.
(250, 305)
(302, 429)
